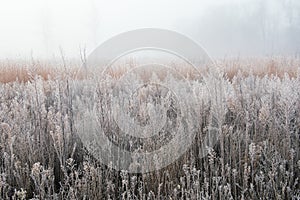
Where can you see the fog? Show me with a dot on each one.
(40, 28)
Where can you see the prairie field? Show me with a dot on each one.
(252, 103)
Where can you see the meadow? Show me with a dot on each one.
(253, 102)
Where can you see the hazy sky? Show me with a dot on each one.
(223, 27)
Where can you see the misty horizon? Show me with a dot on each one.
(42, 29)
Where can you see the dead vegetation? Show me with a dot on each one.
(257, 155)
(23, 71)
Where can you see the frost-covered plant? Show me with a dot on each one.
(256, 156)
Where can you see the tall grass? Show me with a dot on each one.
(25, 70)
(257, 155)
